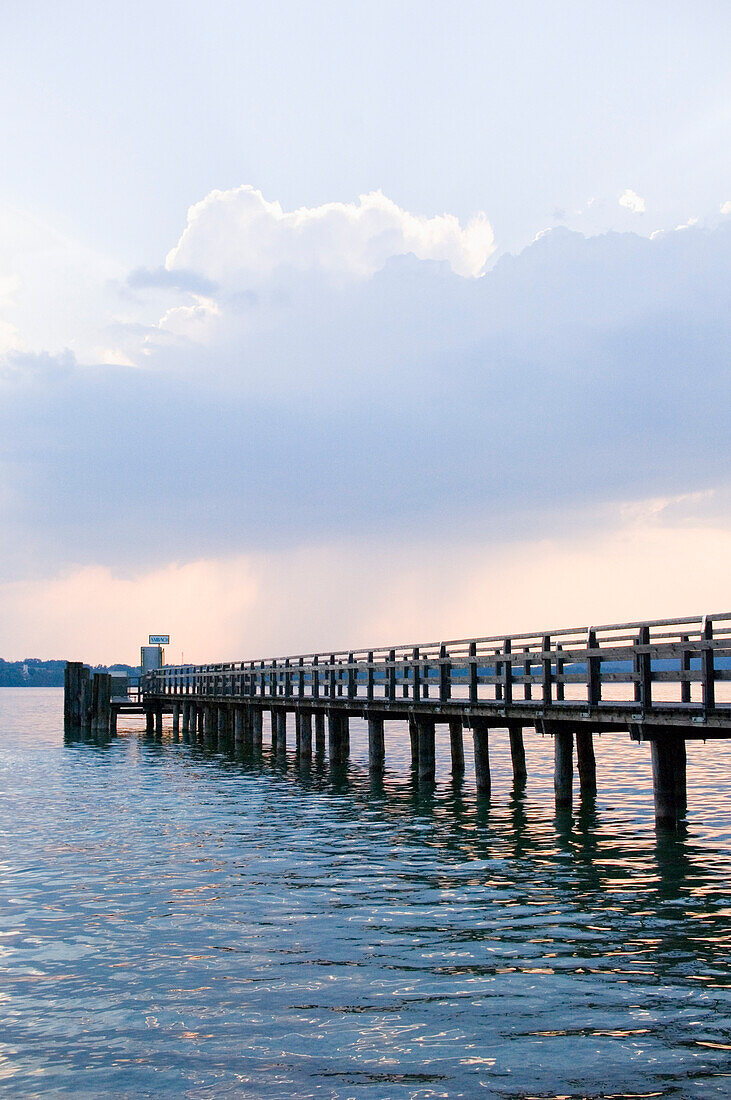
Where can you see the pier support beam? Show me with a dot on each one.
(669, 779)
(176, 722)
(158, 723)
(238, 728)
(456, 745)
(338, 737)
(222, 729)
(186, 722)
(414, 740)
(517, 754)
(563, 773)
(376, 746)
(427, 754)
(305, 736)
(586, 762)
(279, 730)
(149, 722)
(256, 728)
(210, 727)
(481, 738)
(320, 735)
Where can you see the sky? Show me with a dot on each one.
(349, 324)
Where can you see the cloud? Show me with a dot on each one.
(726, 207)
(238, 238)
(162, 278)
(578, 373)
(632, 201)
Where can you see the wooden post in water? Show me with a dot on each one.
(456, 745)
(158, 722)
(427, 754)
(101, 704)
(586, 761)
(337, 725)
(319, 734)
(517, 754)
(376, 746)
(176, 722)
(238, 728)
(222, 729)
(481, 738)
(186, 721)
(297, 734)
(209, 718)
(669, 778)
(305, 736)
(149, 721)
(256, 728)
(414, 741)
(563, 774)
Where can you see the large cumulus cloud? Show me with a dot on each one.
(404, 400)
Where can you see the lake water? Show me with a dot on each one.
(178, 923)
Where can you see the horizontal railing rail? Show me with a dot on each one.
(542, 669)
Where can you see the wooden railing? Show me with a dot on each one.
(613, 665)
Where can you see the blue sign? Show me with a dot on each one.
(159, 639)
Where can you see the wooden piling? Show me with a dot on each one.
(517, 754)
(256, 728)
(149, 721)
(101, 704)
(305, 736)
(481, 739)
(222, 729)
(319, 734)
(176, 722)
(414, 742)
(376, 746)
(158, 722)
(563, 773)
(669, 778)
(456, 745)
(337, 737)
(427, 754)
(586, 762)
(209, 718)
(238, 728)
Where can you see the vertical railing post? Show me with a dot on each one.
(546, 666)
(315, 678)
(643, 669)
(332, 676)
(262, 685)
(593, 670)
(445, 675)
(685, 667)
(391, 676)
(301, 678)
(370, 677)
(472, 672)
(498, 678)
(560, 685)
(274, 680)
(287, 679)
(508, 673)
(416, 694)
(352, 676)
(708, 683)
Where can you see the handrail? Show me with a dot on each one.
(501, 670)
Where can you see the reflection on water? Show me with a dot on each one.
(177, 922)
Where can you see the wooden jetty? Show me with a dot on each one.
(661, 681)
